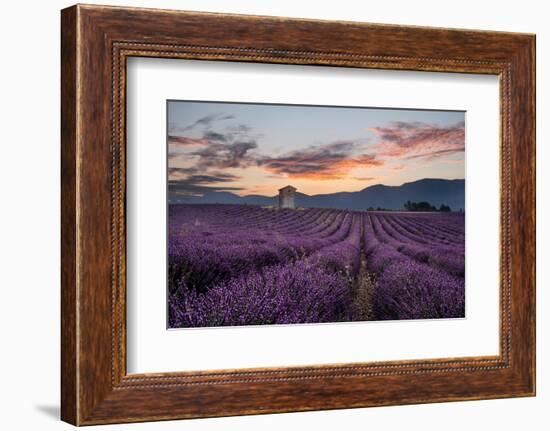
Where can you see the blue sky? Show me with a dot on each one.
(258, 148)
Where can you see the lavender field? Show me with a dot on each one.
(249, 265)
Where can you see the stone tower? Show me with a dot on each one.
(286, 197)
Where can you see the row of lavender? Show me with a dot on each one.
(418, 261)
(231, 265)
(245, 265)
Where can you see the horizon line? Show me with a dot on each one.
(342, 191)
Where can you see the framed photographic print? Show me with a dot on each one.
(258, 216)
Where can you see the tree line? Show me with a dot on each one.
(425, 206)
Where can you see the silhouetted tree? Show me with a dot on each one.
(419, 206)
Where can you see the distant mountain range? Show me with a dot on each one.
(434, 191)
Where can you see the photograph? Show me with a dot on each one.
(301, 214)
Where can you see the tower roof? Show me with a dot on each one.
(288, 187)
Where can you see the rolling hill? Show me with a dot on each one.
(434, 191)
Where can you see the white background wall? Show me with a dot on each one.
(29, 213)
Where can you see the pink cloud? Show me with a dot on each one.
(322, 162)
(184, 141)
(418, 140)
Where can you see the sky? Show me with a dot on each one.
(258, 148)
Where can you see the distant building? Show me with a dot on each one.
(286, 197)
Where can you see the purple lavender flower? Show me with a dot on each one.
(248, 265)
